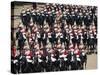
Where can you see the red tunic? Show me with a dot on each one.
(13, 49)
(65, 53)
(29, 54)
(77, 52)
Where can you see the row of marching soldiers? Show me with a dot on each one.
(56, 13)
(45, 37)
(55, 38)
(57, 58)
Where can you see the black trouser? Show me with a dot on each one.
(56, 40)
(73, 65)
(66, 65)
(62, 63)
(88, 43)
(42, 66)
(53, 40)
(15, 68)
(67, 42)
(39, 41)
(44, 42)
(84, 41)
(62, 40)
(74, 41)
(53, 66)
(20, 44)
(50, 40)
(25, 23)
(91, 44)
(78, 42)
(78, 65)
(95, 43)
(48, 68)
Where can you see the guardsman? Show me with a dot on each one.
(85, 37)
(37, 17)
(38, 35)
(79, 19)
(23, 16)
(72, 18)
(50, 19)
(20, 35)
(33, 15)
(53, 35)
(50, 37)
(28, 16)
(53, 60)
(42, 18)
(91, 42)
(64, 54)
(30, 40)
(61, 38)
(95, 38)
(44, 38)
(68, 18)
(28, 54)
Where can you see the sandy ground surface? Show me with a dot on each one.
(91, 61)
